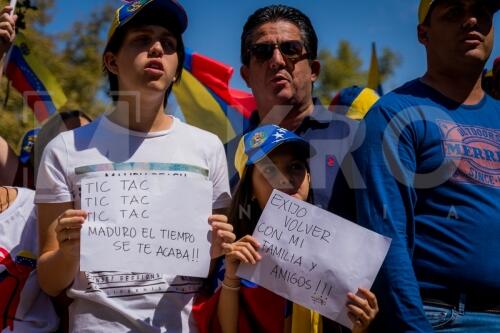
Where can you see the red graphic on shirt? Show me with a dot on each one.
(330, 161)
(474, 150)
(12, 280)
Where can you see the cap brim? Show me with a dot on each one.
(261, 153)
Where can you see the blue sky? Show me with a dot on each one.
(215, 27)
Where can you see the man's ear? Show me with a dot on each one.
(110, 62)
(422, 33)
(245, 74)
(315, 70)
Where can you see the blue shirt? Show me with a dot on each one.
(431, 173)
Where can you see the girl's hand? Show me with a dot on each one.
(362, 309)
(222, 235)
(68, 227)
(244, 250)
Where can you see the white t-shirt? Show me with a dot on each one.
(131, 302)
(24, 306)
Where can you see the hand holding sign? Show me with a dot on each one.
(315, 258)
(245, 250)
(68, 228)
(222, 235)
(362, 309)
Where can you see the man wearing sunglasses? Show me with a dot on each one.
(431, 163)
(279, 50)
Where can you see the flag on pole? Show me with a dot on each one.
(206, 100)
(374, 79)
(29, 76)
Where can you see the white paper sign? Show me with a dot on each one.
(312, 257)
(146, 223)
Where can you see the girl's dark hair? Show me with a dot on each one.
(145, 17)
(244, 211)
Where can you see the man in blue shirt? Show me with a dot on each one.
(279, 49)
(430, 166)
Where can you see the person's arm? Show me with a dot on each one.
(387, 206)
(59, 234)
(245, 250)
(8, 163)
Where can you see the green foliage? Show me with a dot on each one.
(73, 57)
(83, 77)
(22, 9)
(344, 69)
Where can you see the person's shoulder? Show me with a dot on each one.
(492, 103)
(82, 131)
(204, 136)
(25, 193)
(26, 199)
(86, 129)
(408, 95)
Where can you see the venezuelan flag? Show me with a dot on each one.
(40, 88)
(206, 100)
(374, 79)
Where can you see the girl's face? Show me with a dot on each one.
(147, 60)
(284, 170)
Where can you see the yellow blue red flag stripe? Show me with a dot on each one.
(207, 101)
(30, 77)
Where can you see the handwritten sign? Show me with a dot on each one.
(312, 257)
(146, 223)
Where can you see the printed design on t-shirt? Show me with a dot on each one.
(167, 168)
(13, 276)
(117, 284)
(474, 150)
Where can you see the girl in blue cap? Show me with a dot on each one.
(143, 59)
(268, 158)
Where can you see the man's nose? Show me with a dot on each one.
(277, 59)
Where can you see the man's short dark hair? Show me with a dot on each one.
(142, 19)
(277, 13)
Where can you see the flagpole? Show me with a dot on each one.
(13, 5)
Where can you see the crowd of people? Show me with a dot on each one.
(420, 165)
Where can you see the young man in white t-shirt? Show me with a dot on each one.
(143, 58)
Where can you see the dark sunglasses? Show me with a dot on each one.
(291, 50)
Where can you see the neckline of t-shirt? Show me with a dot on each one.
(449, 101)
(13, 208)
(120, 129)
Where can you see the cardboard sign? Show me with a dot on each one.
(312, 257)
